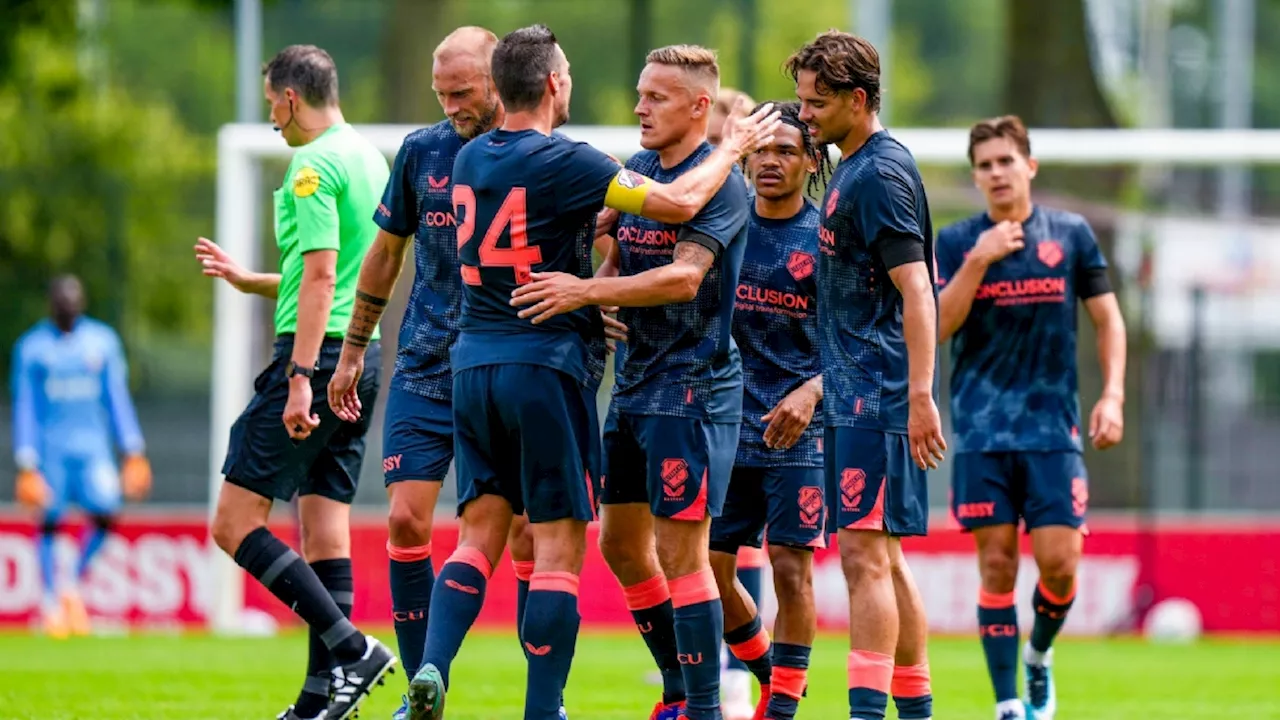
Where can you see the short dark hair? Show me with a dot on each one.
(521, 63)
(1005, 126)
(308, 70)
(843, 63)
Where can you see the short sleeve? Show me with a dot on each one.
(398, 211)
(1091, 267)
(948, 255)
(583, 178)
(315, 187)
(886, 209)
(723, 217)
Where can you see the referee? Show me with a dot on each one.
(288, 440)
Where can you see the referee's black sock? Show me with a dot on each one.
(289, 578)
(335, 575)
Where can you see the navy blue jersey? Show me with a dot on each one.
(680, 359)
(875, 196)
(775, 323)
(1013, 375)
(526, 203)
(418, 201)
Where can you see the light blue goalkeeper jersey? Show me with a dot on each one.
(71, 396)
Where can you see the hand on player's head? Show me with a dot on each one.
(744, 134)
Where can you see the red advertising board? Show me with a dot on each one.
(156, 571)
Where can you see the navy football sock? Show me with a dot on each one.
(870, 677)
(650, 605)
(550, 633)
(998, 628)
(912, 691)
(412, 577)
(295, 584)
(524, 572)
(749, 644)
(456, 601)
(751, 575)
(790, 676)
(335, 575)
(699, 625)
(1051, 613)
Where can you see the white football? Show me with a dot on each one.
(1174, 620)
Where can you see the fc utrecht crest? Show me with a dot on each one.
(1050, 252)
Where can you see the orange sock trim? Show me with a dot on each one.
(1048, 595)
(995, 601)
(911, 681)
(871, 670)
(752, 649)
(408, 554)
(560, 581)
(523, 568)
(788, 681)
(473, 557)
(694, 588)
(650, 593)
(751, 557)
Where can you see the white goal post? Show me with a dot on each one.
(242, 146)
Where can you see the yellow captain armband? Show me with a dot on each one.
(627, 191)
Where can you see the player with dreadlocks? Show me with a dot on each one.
(777, 480)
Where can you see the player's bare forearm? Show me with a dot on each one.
(919, 324)
(956, 298)
(814, 385)
(674, 283)
(1108, 323)
(265, 284)
(610, 266)
(680, 201)
(315, 301)
(378, 274)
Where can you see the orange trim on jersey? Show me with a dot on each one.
(556, 581)
(650, 593)
(911, 681)
(871, 670)
(473, 557)
(694, 588)
(408, 554)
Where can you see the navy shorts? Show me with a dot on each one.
(417, 437)
(262, 458)
(784, 502)
(998, 488)
(528, 434)
(679, 466)
(873, 484)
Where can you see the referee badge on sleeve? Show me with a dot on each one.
(305, 182)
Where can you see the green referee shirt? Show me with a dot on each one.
(331, 191)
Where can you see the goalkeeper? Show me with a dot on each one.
(70, 400)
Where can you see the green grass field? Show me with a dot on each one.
(158, 677)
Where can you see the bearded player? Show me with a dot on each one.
(1011, 277)
(777, 482)
(526, 204)
(673, 424)
(877, 325)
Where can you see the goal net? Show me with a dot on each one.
(1196, 289)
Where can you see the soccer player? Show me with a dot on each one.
(288, 439)
(418, 442)
(526, 204)
(877, 330)
(672, 429)
(70, 401)
(1011, 278)
(777, 480)
(735, 677)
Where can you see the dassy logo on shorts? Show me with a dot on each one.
(391, 463)
(675, 474)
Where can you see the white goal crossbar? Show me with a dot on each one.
(242, 146)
